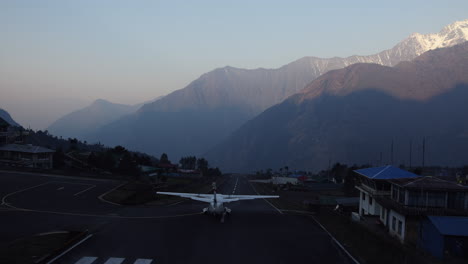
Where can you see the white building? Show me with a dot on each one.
(400, 199)
(373, 184)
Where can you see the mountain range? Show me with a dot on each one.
(356, 114)
(6, 116)
(196, 118)
(80, 123)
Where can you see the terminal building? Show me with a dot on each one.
(415, 209)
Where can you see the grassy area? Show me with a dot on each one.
(131, 193)
(36, 248)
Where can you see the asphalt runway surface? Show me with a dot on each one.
(255, 232)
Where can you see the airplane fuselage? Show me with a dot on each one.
(216, 208)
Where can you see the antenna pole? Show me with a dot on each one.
(424, 151)
(410, 151)
(391, 154)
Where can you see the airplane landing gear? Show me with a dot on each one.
(222, 217)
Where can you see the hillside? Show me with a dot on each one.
(84, 121)
(6, 116)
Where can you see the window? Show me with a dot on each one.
(363, 196)
(393, 223)
(401, 195)
(436, 199)
(394, 193)
(400, 227)
(416, 198)
(456, 200)
(370, 200)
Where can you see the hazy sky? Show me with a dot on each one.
(72, 52)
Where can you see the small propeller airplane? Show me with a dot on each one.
(217, 201)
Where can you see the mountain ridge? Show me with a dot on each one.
(239, 95)
(7, 118)
(362, 107)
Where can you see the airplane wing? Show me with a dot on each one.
(233, 198)
(208, 198)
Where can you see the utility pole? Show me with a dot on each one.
(391, 154)
(423, 151)
(410, 151)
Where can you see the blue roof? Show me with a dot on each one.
(386, 173)
(450, 225)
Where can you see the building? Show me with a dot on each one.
(413, 199)
(399, 199)
(26, 156)
(444, 236)
(373, 182)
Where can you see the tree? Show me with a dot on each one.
(188, 163)
(338, 172)
(350, 182)
(59, 158)
(120, 150)
(164, 159)
(202, 165)
(127, 166)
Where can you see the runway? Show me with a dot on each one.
(255, 232)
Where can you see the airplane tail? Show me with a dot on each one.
(214, 191)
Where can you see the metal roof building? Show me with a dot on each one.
(26, 156)
(450, 225)
(386, 173)
(25, 148)
(445, 235)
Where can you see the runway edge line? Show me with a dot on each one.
(336, 241)
(70, 248)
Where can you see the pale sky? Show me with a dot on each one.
(58, 56)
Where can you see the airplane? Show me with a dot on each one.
(217, 201)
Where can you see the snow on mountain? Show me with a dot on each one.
(408, 49)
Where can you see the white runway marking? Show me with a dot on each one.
(61, 188)
(66, 251)
(22, 190)
(143, 261)
(336, 241)
(86, 260)
(279, 211)
(114, 261)
(84, 190)
(101, 197)
(235, 185)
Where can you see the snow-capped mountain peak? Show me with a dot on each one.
(450, 35)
